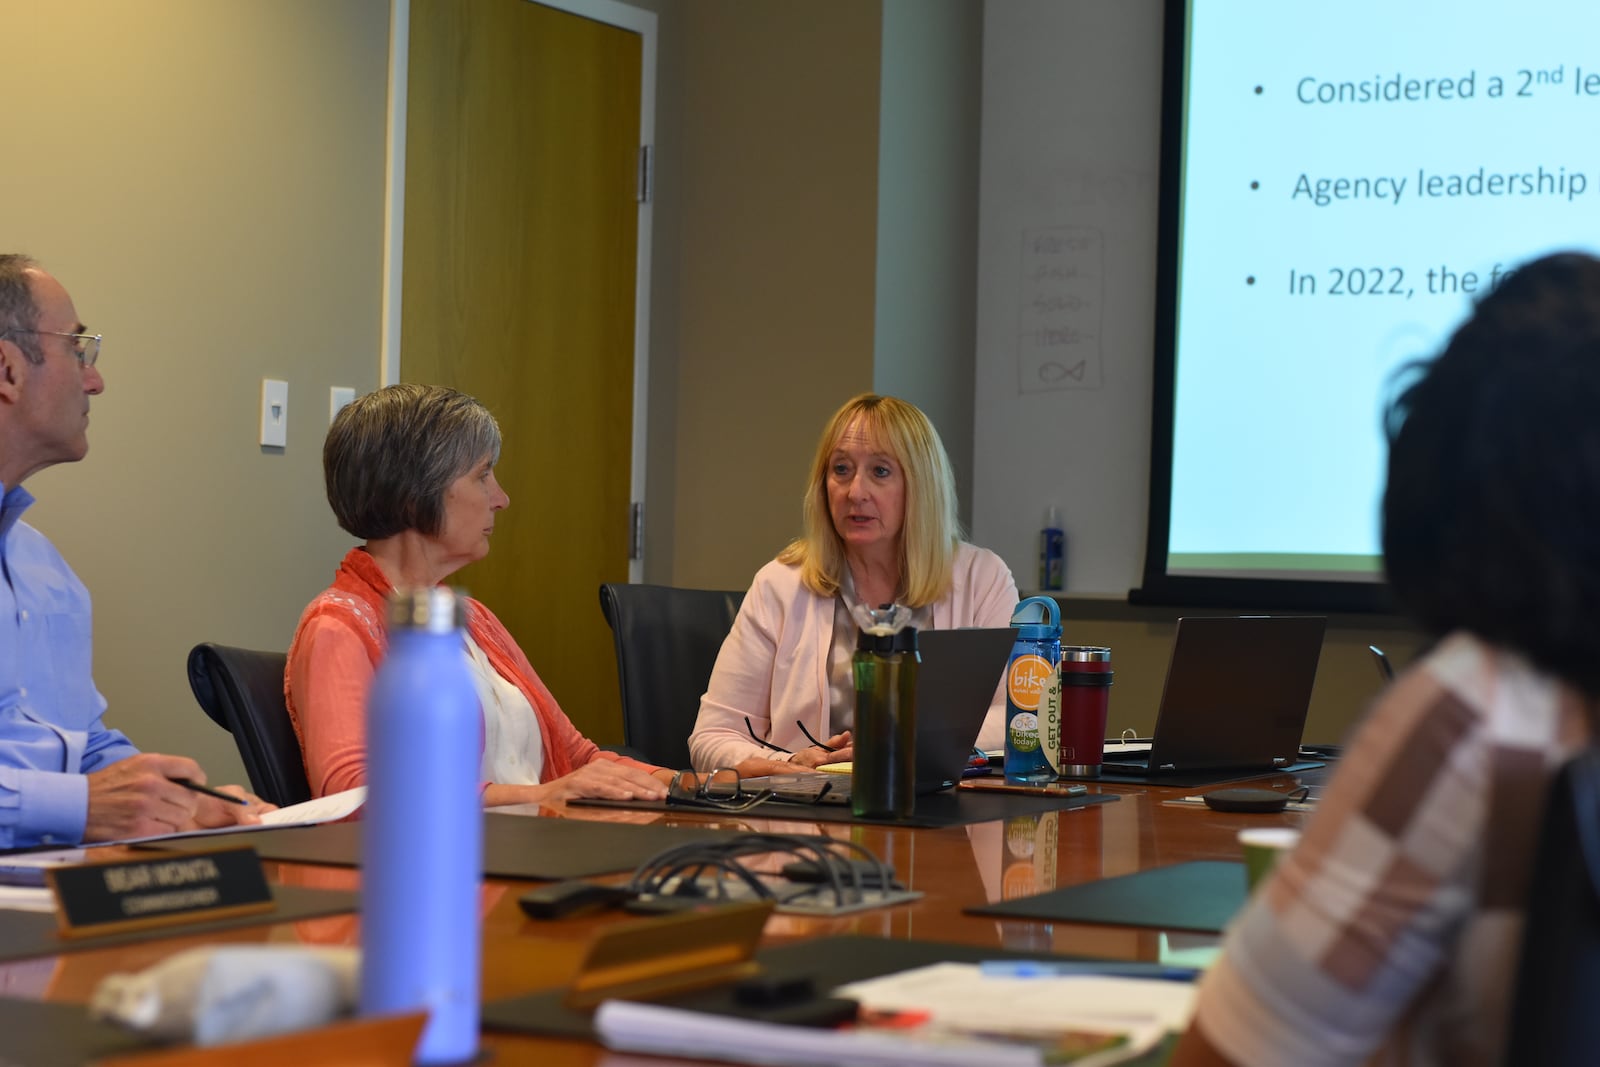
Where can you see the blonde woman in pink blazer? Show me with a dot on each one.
(880, 526)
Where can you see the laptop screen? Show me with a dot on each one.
(957, 680)
(1237, 692)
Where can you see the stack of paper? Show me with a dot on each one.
(319, 810)
(945, 1014)
(22, 873)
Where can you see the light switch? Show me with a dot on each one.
(338, 397)
(274, 413)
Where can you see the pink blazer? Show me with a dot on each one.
(773, 666)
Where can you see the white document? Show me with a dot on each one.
(636, 1027)
(959, 994)
(22, 881)
(319, 810)
(975, 1019)
(26, 898)
(27, 867)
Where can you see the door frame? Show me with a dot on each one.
(612, 13)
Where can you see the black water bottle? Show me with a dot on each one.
(885, 668)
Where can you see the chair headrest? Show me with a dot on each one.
(202, 661)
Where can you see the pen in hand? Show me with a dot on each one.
(190, 783)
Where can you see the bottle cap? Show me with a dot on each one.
(902, 640)
(1052, 518)
(1046, 627)
(436, 610)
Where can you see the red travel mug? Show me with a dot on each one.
(1085, 697)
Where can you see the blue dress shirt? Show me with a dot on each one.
(51, 733)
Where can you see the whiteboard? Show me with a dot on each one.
(1066, 284)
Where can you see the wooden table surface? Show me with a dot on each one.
(954, 868)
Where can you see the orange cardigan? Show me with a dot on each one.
(335, 652)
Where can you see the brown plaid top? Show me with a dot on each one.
(1390, 935)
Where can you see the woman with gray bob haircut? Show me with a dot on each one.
(391, 456)
(410, 471)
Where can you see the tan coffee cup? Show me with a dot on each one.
(1262, 845)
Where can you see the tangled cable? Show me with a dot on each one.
(681, 871)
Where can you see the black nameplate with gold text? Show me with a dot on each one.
(103, 898)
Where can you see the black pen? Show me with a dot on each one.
(189, 783)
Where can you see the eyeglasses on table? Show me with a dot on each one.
(719, 789)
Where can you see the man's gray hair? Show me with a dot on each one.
(19, 312)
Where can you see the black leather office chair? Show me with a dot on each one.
(242, 691)
(667, 642)
(1553, 1017)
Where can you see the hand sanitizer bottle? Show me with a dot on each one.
(1052, 553)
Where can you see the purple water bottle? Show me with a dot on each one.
(422, 829)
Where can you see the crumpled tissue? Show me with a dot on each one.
(209, 996)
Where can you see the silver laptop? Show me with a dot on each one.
(1236, 696)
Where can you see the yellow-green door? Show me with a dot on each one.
(521, 226)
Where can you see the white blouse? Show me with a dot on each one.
(513, 748)
(841, 654)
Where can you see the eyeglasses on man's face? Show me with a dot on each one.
(85, 346)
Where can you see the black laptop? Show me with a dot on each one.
(1236, 696)
(956, 683)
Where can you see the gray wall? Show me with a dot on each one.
(927, 229)
(1066, 289)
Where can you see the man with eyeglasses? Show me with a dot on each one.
(64, 777)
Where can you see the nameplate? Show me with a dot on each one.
(653, 958)
(104, 898)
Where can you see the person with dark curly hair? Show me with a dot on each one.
(1391, 933)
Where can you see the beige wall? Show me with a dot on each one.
(1141, 642)
(207, 180)
(775, 178)
(803, 150)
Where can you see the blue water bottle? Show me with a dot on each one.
(422, 830)
(1034, 659)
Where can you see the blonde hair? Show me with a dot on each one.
(930, 531)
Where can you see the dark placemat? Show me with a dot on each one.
(514, 846)
(34, 933)
(935, 811)
(43, 1034)
(1194, 778)
(1199, 896)
(336, 844)
(828, 961)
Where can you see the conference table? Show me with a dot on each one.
(954, 868)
